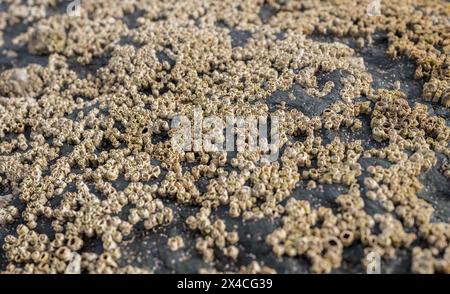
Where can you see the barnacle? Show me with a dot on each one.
(91, 151)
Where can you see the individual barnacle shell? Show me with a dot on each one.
(22, 230)
(64, 253)
(231, 251)
(175, 243)
(74, 265)
(74, 243)
(346, 237)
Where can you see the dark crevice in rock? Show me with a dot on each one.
(58, 9)
(239, 37)
(163, 56)
(305, 103)
(266, 12)
(132, 19)
(160, 138)
(84, 71)
(128, 40)
(323, 195)
(436, 190)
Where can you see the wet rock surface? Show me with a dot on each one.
(148, 249)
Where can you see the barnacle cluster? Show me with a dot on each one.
(85, 137)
